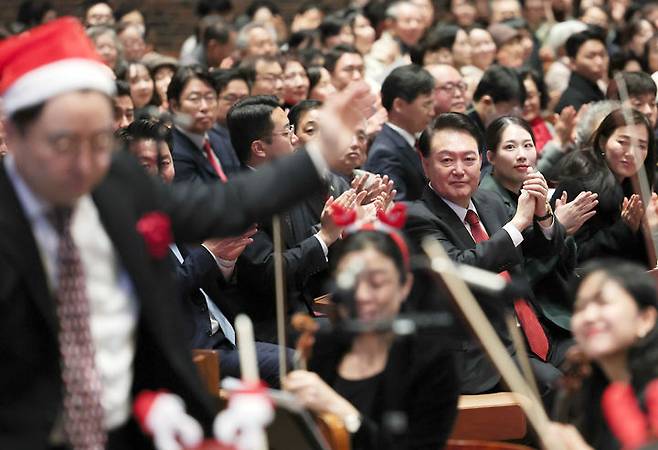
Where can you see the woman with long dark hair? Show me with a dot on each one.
(606, 168)
(614, 324)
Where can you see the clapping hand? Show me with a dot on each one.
(230, 248)
(632, 212)
(572, 215)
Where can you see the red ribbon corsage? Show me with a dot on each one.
(155, 228)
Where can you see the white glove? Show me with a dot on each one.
(163, 416)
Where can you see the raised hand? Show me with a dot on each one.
(565, 122)
(632, 212)
(572, 215)
(525, 210)
(230, 248)
(535, 185)
(339, 118)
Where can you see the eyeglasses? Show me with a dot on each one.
(69, 145)
(289, 131)
(196, 99)
(450, 87)
(270, 78)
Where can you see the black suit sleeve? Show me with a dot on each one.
(197, 266)
(198, 211)
(496, 254)
(603, 234)
(255, 267)
(384, 161)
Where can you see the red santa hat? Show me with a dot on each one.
(49, 60)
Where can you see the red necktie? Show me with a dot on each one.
(214, 162)
(83, 412)
(537, 339)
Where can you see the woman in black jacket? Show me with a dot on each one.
(392, 393)
(614, 324)
(605, 168)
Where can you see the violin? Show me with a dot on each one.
(331, 426)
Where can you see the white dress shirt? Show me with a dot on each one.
(113, 308)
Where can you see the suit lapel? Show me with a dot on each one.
(443, 212)
(20, 246)
(487, 213)
(410, 155)
(196, 153)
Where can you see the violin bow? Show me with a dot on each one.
(522, 354)
(491, 343)
(640, 181)
(279, 282)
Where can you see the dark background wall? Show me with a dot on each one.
(171, 21)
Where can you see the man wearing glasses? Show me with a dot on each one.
(267, 76)
(450, 91)
(193, 99)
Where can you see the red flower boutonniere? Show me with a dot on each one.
(155, 228)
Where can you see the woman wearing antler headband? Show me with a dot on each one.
(614, 324)
(392, 393)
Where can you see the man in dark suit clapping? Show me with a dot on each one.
(474, 228)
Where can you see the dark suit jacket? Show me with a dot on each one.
(419, 381)
(30, 380)
(189, 161)
(391, 155)
(199, 271)
(549, 278)
(220, 141)
(431, 216)
(579, 92)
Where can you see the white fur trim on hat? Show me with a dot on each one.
(57, 78)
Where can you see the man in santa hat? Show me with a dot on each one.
(86, 315)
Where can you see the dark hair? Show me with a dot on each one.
(448, 121)
(309, 5)
(206, 7)
(155, 98)
(527, 73)
(127, 7)
(144, 129)
(630, 29)
(653, 40)
(302, 39)
(497, 127)
(642, 357)
(637, 83)
(314, 74)
(589, 165)
(218, 30)
(31, 12)
(577, 40)
(377, 240)
(502, 84)
(619, 60)
(222, 77)
(406, 82)
(24, 117)
(296, 112)
(248, 120)
(123, 88)
(248, 65)
(183, 76)
(333, 55)
(331, 26)
(435, 39)
(255, 5)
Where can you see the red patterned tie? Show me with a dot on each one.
(83, 412)
(214, 162)
(537, 339)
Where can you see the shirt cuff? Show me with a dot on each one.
(325, 249)
(514, 234)
(225, 266)
(315, 153)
